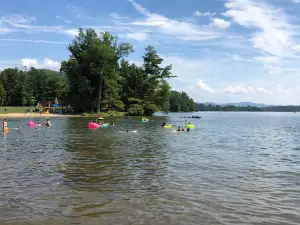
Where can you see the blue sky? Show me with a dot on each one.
(221, 50)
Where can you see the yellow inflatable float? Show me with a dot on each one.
(190, 126)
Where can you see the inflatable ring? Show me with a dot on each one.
(31, 123)
(93, 125)
(190, 126)
(167, 126)
(5, 129)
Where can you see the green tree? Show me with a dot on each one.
(181, 102)
(2, 94)
(92, 58)
(145, 87)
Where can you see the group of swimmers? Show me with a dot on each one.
(5, 125)
(100, 121)
(179, 129)
(47, 124)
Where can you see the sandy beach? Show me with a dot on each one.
(28, 115)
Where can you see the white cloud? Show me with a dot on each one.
(117, 16)
(202, 85)
(61, 18)
(295, 1)
(33, 41)
(274, 70)
(178, 29)
(51, 64)
(242, 89)
(16, 20)
(19, 23)
(277, 70)
(296, 47)
(220, 23)
(231, 89)
(139, 36)
(274, 34)
(29, 62)
(197, 13)
(46, 64)
(268, 59)
(5, 30)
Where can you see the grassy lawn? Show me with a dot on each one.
(14, 109)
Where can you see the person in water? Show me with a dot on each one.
(4, 124)
(178, 129)
(164, 123)
(48, 123)
(182, 129)
(132, 131)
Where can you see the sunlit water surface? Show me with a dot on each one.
(234, 168)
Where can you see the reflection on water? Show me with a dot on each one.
(234, 168)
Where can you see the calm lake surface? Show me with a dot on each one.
(233, 168)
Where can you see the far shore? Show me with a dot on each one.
(27, 115)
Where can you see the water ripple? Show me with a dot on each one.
(234, 168)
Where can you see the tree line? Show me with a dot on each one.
(288, 108)
(27, 87)
(227, 108)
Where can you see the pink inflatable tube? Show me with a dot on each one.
(31, 123)
(94, 125)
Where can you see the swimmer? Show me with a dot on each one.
(48, 124)
(132, 131)
(188, 130)
(4, 124)
(163, 124)
(178, 129)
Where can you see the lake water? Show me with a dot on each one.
(233, 168)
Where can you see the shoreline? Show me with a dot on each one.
(28, 115)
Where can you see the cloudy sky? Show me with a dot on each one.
(221, 50)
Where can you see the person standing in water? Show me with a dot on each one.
(48, 124)
(4, 125)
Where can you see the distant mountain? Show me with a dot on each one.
(259, 105)
(207, 103)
